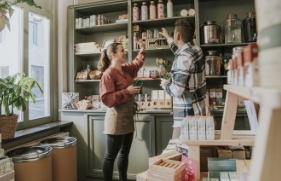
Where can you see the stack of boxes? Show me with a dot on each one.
(165, 167)
(6, 166)
(198, 128)
(157, 99)
(215, 97)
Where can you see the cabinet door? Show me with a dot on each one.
(164, 131)
(142, 146)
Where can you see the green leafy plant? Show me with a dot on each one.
(7, 6)
(15, 91)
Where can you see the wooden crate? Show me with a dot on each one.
(167, 166)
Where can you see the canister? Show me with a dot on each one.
(64, 158)
(32, 163)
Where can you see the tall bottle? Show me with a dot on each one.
(136, 12)
(250, 27)
(169, 9)
(152, 9)
(160, 9)
(144, 11)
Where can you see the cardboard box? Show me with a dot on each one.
(224, 153)
(164, 176)
(161, 98)
(224, 176)
(238, 154)
(193, 128)
(233, 176)
(184, 135)
(167, 166)
(154, 95)
(218, 96)
(168, 101)
(212, 97)
(221, 164)
(210, 128)
(240, 166)
(8, 177)
(142, 176)
(201, 128)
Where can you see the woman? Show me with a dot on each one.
(116, 91)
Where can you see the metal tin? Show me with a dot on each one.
(28, 154)
(213, 63)
(211, 33)
(58, 143)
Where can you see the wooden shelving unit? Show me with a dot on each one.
(159, 22)
(265, 162)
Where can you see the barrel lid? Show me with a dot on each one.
(59, 142)
(27, 154)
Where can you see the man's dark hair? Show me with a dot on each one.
(186, 29)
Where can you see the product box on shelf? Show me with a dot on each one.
(185, 128)
(233, 176)
(212, 96)
(239, 153)
(161, 99)
(90, 47)
(154, 74)
(146, 74)
(221, 164)
(171, 155)
(193, 128)
(224, 176)
(218, 93)
(148, 101)
(251, 67)
(240, 69)
(142, 176)
(201, 128)
(210, 128)
(154, 95)
(140, 73)
(168, 101)
(224, 152)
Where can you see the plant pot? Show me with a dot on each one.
(2, 21)
(8, 125)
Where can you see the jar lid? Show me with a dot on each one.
(251, 14)
(169, 0)
(27, 154)
(232, 16)
(209, 22)
(59, 142)
(143, 3)
(212, 52)
(135, 4)
(160, 1)
(151, 2)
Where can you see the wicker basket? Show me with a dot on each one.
(8, 125)
(96, 74)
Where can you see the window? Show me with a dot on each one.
(26, 48)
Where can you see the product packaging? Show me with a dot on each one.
(202, 128)
(193, 128)
(210, 128)
(224, 176)
(154, 95)
(168, 100)
(185, 128)
(218, 96)
(212, 97)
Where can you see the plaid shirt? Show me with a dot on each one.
(188, 87)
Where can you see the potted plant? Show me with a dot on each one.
(15, 91)
(7, 6)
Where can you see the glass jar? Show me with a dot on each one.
(144, 11)
(162, 70)
(250, 28)
(161, 9)
(135, 12)
(152, 9)
(213, 63)
(232, 28)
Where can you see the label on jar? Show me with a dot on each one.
(161, 10)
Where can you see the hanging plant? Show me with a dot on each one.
(6, 6)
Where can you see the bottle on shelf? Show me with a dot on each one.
(144, 11)
(250, 28)
(169, 9)
(232, 28)
(152, 9)
(135, 12)
(160, 9)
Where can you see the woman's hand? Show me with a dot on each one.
(133, 89)
(164, 33)
(140, 43)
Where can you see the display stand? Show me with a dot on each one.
(266, 158)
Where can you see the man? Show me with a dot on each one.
(188, 86)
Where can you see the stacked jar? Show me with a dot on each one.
(160, 9)
(135, 12)
(144, 11)
(152, 10)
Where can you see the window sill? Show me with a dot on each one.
(29, 132)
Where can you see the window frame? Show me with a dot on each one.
(26, 123)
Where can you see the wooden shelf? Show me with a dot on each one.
(175, 2)
(223, 45)
(147, 79)
(247, 141)
(87, 81)
(154, 50)
(160, 22)
(87, 54)
(102, 28)
(215, 76)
